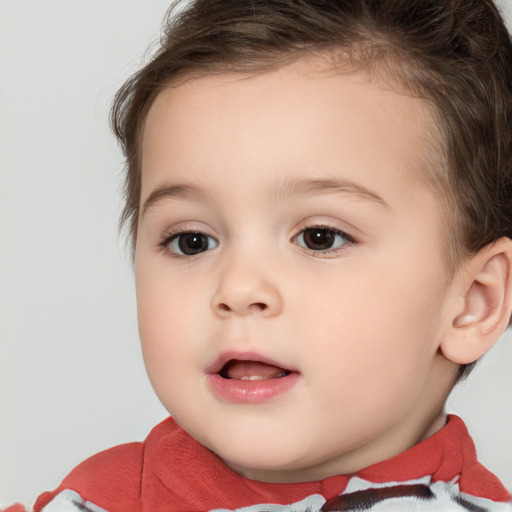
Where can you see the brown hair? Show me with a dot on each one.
(457, 54)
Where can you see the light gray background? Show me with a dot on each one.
(72, 380)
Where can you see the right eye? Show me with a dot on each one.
(191, 243)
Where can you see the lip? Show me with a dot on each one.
(219, 363)
(248, 391)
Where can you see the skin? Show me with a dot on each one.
(360, 324)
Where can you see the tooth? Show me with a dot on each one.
(259, 377)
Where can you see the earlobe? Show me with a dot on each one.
(485, 307)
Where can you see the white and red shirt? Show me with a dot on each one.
(171, 472)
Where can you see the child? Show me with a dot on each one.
(320, 201)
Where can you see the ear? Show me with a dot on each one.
(484, 305)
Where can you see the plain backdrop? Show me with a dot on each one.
(72, 381)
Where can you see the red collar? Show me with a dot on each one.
(178, 467)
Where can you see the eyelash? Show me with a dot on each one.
(170, 236)
(350, 240)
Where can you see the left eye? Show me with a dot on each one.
(321, 239)
(190, 244)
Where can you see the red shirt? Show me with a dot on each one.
(170, 471)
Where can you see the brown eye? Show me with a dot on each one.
(321, 239)
(190, 244)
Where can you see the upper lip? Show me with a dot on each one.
(231, 355)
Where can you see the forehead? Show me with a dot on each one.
(301, 116)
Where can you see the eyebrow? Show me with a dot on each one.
(179, 191)
(284, 190)
(312, 187)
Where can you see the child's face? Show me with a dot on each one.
(291, 279)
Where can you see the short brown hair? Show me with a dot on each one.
(457, 54)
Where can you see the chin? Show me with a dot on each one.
(259, 461)
(265, 471)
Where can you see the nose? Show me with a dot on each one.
(247, 289)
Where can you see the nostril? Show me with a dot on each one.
(259, 305)
(241, 308)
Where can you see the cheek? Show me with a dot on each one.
(373, 325)
(164, 336)
(373, 367)
(165, 300)
(168, 351)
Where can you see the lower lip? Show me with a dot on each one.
(250, 391)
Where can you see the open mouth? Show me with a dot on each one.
(249, 378)
(236, 369)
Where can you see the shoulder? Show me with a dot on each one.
(110, 479)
